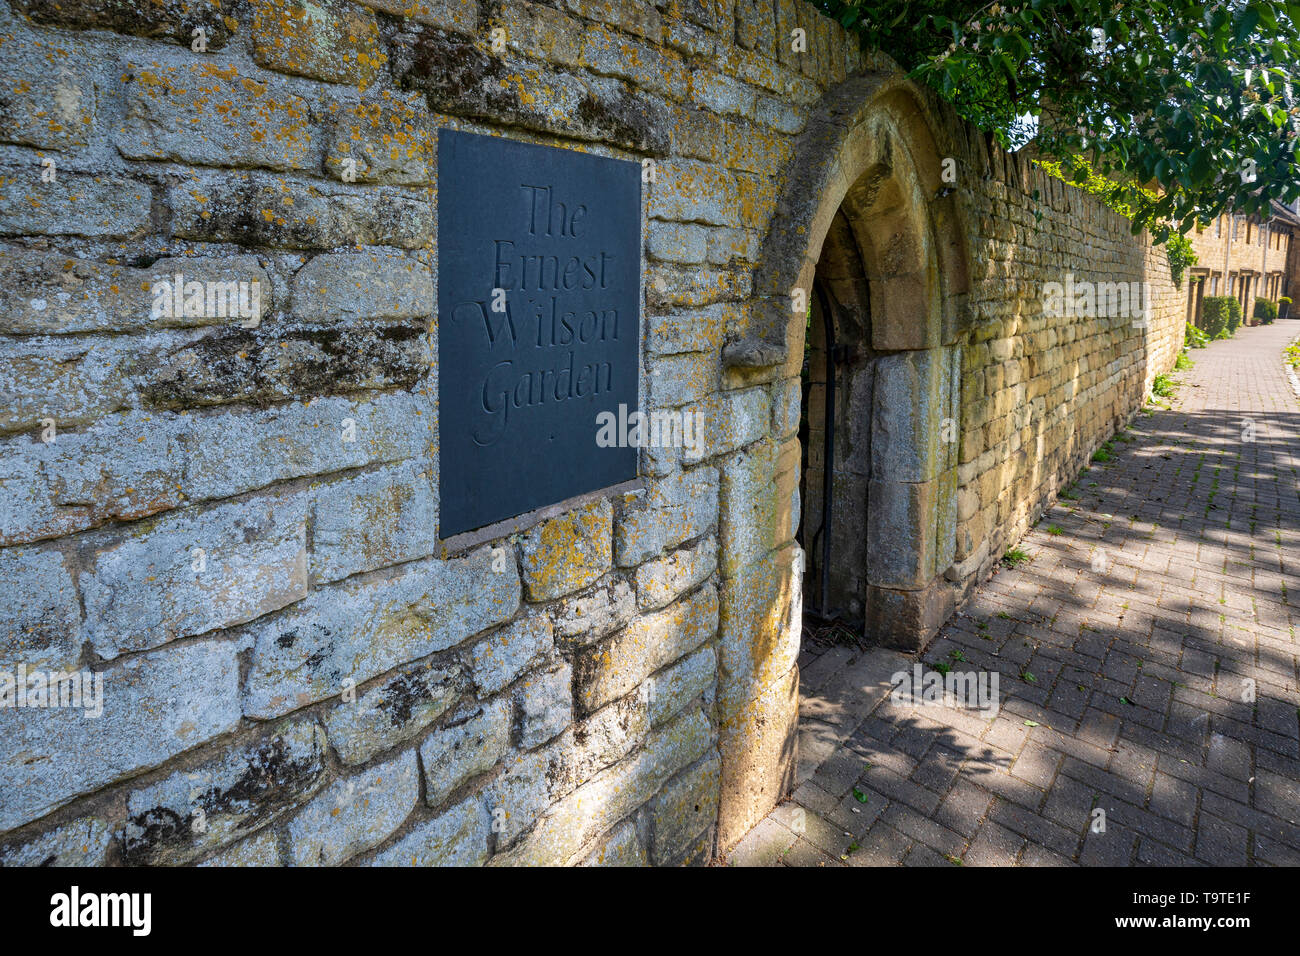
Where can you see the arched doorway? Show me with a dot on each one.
(888, 288)
(835, 426)
(868, 235)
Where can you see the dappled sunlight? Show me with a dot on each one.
(1148, 699)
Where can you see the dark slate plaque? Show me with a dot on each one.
(520, 385)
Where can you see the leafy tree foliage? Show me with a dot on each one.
(1127, 199)
(1194, 97)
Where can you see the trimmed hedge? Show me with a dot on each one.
(1234, 316)
(1265, 311)
(1221, 315)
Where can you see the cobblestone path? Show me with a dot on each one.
(1146, 657)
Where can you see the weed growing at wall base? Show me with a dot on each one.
(1015, 557)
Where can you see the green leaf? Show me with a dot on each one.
(1246, 24)
(1163, 103)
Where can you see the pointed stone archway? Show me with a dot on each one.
(865, 214)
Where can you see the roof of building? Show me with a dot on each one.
(1285, 213)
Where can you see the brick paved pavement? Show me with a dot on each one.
(1138, 670)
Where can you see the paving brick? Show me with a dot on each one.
(856, 816)
(762, 846)
(1206, 779)
(994, 845)
(804, 853)
(1173, 799)
(1114, 847)
(813, 828)
(1283, 831)
(921, 855)
(901, 789)
(1152, 853)
(840, 772)
(882, 846)
(1148, 824)
(1038, 829)
(964, 808)
(1220, 842)
(924, 831)
(1036, 765)
(1103, 781)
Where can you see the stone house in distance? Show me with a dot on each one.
(1259, 260)
(233, 518)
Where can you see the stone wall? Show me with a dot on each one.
(234, 523)
(959, 244)
(1041, 393)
